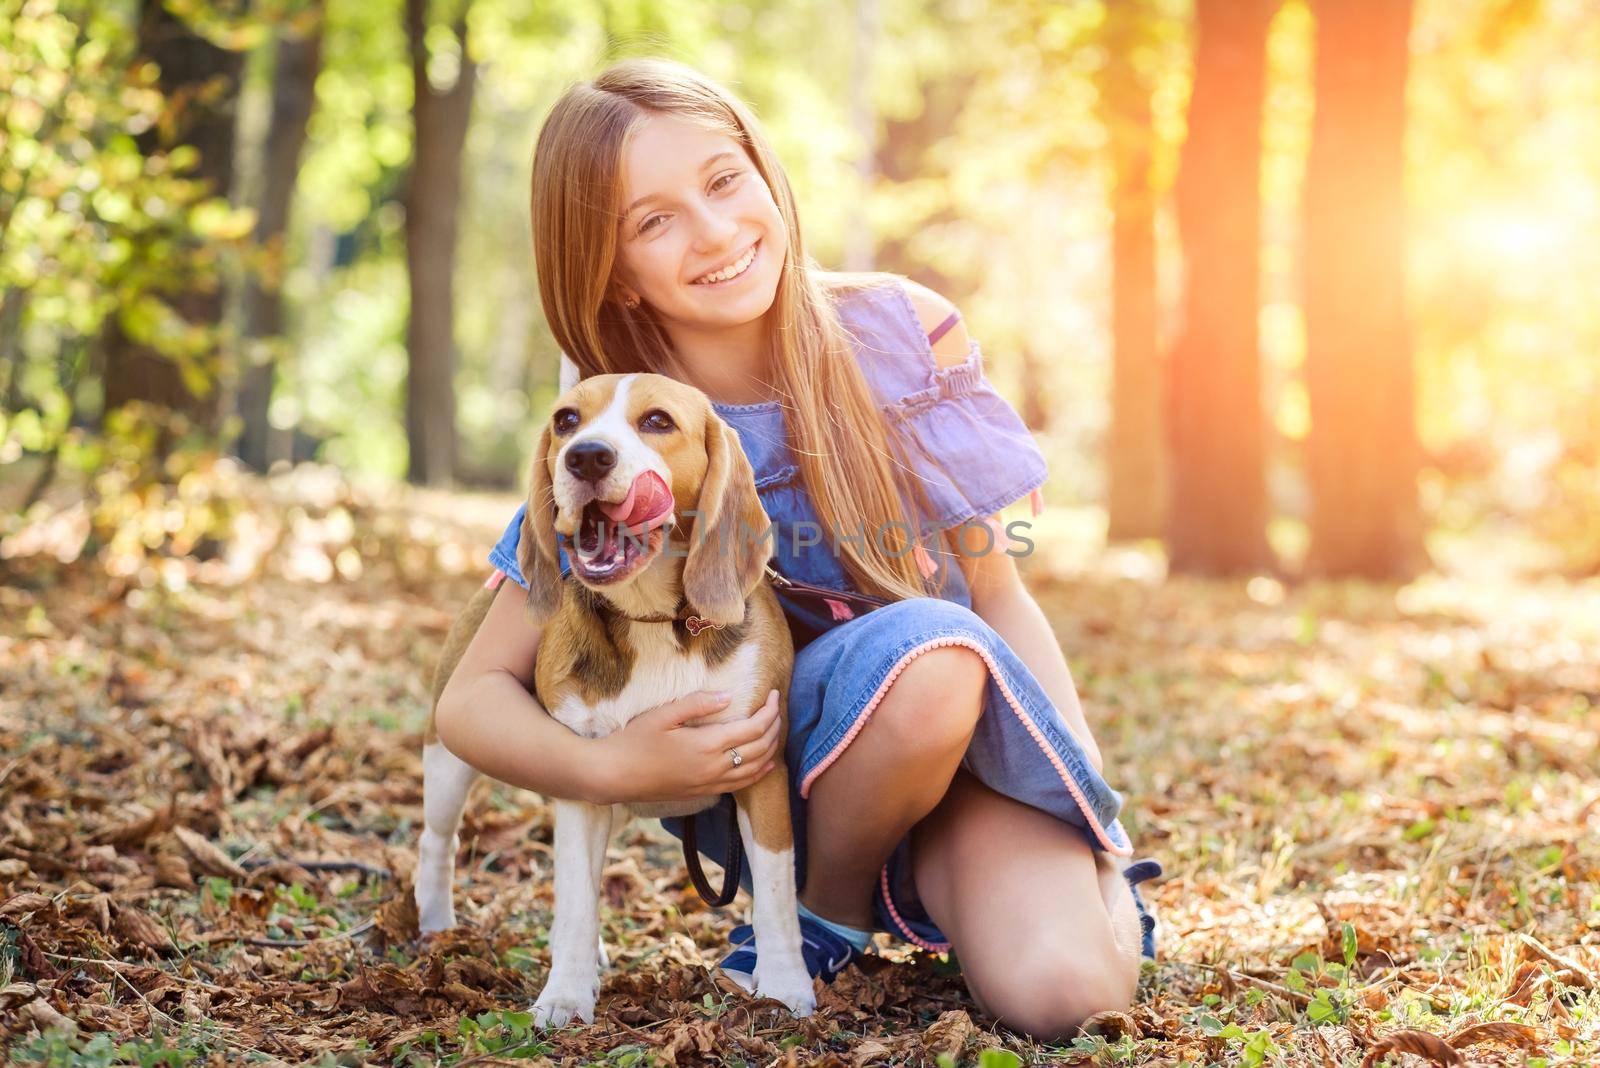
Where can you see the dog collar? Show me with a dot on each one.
(692, 622)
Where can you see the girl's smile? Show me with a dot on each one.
(730, 272)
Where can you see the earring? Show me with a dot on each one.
(632, 302)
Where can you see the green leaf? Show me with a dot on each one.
(1347, 938)
(1419, 830)
(1324, 1009)
(1306, 962)
(999, 1058)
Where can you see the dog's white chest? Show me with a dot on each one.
(662, 672)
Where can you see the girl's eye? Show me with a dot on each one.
(657, 420)
(722, 182)
(566, 420)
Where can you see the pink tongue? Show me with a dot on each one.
(647, 505)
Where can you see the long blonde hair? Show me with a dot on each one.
(576, 178)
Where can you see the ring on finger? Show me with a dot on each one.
(737, 759)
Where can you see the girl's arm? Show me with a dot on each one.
(1003, 602)
(487, 715)
(998, 595)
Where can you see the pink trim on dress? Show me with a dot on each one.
(1036, 501)
(1027, 722)
(495, 580)
(924, 559)
(905, 929)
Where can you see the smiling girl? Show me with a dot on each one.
(949, 788)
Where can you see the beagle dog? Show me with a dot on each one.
(657, 503)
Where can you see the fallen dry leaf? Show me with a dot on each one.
(1342, 758)
(206, 856)
(1420, 1043)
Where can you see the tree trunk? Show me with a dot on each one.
(1217, 523)
(902, 155)
(433, 199)
(299, 58)
(11, 307)
(1362, 453)
(1034, 405)
(200, 83)
(1135, 463)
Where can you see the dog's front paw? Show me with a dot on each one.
(436, 910)
(432, 920)
(560, 1002)
(792, 986)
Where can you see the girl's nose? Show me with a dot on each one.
(713, 229)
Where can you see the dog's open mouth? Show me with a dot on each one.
(618, 538)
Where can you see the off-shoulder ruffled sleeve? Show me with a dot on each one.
(966, 443)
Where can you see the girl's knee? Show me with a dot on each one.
(1050, 999)
(936, 698)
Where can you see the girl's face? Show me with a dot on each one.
(701, 240)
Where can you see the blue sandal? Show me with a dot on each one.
(825, 953)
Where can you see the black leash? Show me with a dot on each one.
(733, 856)
(732, 864)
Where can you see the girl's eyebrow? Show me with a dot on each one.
(652, 196)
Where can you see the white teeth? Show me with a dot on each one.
(733, 270)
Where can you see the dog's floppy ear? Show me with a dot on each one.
(537, 553)
(728, 551)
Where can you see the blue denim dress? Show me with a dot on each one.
(975, 456)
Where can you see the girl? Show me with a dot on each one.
(949, 789)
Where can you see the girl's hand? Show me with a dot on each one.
(663, 755)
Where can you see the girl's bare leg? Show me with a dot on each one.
(1046, 936)
(889, 777)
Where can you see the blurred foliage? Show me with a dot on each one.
(90, 225)
(1504, 171)
(93, 226)
(990, 181)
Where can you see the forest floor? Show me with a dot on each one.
(1377, 808)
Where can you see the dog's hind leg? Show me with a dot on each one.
(582, 831)
(769, 845)
(446, 780)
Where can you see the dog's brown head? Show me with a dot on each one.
(620, 464)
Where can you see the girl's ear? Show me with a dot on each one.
(622, 293)
(537, 553)
(729, 550)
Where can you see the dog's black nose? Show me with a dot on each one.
(591, 460)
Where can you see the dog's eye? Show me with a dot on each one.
(656, 419)
(566, 420)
